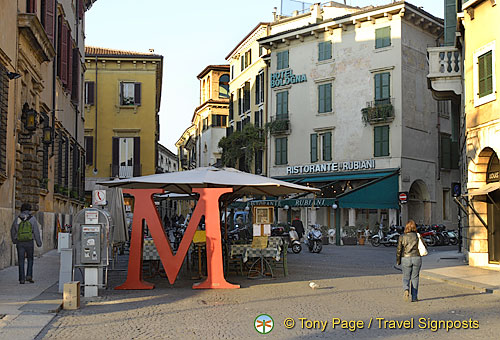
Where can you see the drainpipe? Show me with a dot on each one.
(95, 104)
(54, 79)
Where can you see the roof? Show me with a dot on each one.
(223, 68)
(246, 37)
(102, 51)
(363, 11)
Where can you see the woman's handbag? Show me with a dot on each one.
(422, 249)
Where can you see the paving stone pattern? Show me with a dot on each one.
(356, 283)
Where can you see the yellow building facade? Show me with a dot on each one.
(482, 116)
(122, 95)
(198, 145)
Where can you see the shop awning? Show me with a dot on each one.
(381, 193)
(343, 176)
(489, 193)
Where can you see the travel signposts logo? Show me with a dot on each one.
(263, 323)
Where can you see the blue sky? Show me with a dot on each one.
(190, 35)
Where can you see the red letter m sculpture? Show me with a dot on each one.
(145, 209)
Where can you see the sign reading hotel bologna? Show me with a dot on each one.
(286, 77)
(331, 167)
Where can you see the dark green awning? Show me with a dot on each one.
(379, 194)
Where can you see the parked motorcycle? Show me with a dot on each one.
(314, 236)
(387, 239)
(428, 235)
(293, 241)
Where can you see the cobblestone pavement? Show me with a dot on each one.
(357, 283)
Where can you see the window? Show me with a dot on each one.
(205, 123)
(246, 60)
(325, 98)
(443, 107)
(246, 97)
(48, 12)
(282, 105)
(282, 60)
(259, 155)
(232, 72)
(259, 88)
(324, 50)
(383, 37)
(219, 120)
(382, 88)
(484, 74)
(258, 118)
(89, 150)
(30, 6)
(314, 147)
(281, 150)
(126, 157)
(485, 69)
(130, 93)
(89, 93)
(449, 152)
(231, 107)
(381, 140)
(4, 104)
(224, 86)
(326, 141)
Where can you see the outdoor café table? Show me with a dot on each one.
(262, 254)
(149, 253)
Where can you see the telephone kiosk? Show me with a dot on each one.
(92, 229)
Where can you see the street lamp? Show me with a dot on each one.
(337, 223)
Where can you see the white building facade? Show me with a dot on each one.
(351, 114)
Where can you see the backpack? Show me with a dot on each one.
(25, 230)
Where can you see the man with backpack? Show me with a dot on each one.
(25, 229)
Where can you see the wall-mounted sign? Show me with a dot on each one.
(403, 197)
(99, 197)
(91, 217)
(331, 167)
(286, 77)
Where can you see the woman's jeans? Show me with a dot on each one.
(25, 248)
(411, 270)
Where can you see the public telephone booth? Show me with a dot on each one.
(91, 236)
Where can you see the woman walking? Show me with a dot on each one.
(409, 257)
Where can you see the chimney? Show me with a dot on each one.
(275, 9)
(316, 13)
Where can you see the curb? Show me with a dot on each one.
(483, 288)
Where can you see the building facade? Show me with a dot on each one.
(41, 124)
(198, 145)
(351, 114)
(122, 101)
(167, 160)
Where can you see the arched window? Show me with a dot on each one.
(224, 86)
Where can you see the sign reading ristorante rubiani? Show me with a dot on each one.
(331, 167)
(286, 77)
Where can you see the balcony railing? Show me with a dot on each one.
(378, 111)
(279, 125)
(445, 71)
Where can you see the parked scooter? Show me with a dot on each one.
(389, 239)
(314, 236)
(293, 241)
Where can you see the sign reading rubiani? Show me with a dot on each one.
(331, 167)
(286, 77)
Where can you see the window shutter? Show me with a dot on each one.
(386, 93)
(262, 87)
(285, 63)
(257, 89)
(75, 91)
(64, 54)
(385, 143)
(121, 93)
(314, 147)
(81, 9)
(137, 156)
(31, 6)
(115, 152)
(49, 19)
(378, 87)
(137, 94)
(256, 119)
(327, 146)
(320, 51)
(383, 37)
(377, 141)
(90, 93)
(328, 96)
(279, 104)
(445, 151)
(277, 151)
(489, 72)
(242, 60)
(66, 162)
(285, 104)
(59, 46)
(285, 150)
(89, 150)
(70, 65)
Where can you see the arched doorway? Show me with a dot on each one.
(419, 206)
(492, 176)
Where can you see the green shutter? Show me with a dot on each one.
(378, 86)
(485, 68)
(325, 98)
(327, 146)
(324, 50)
(321, 48)
(445, 151)
(314, 147)
(385, 140)
(277, 153)
(383, 37)
(381, 141)
(285, 61)
(328, 98)
(285, 150)
(285, 104)
(279, 104)
(382, 88)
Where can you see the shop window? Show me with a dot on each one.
(381, 140)
(282, 60)
(383, 37)
(281, 145)
(324, 50)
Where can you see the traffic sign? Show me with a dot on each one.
(99, 197)
(403, 197)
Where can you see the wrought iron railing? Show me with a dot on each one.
(378, 111)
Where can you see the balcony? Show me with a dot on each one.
(445, 72)
(378, 111)
(279, 125)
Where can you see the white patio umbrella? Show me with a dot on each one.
(183, 182)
